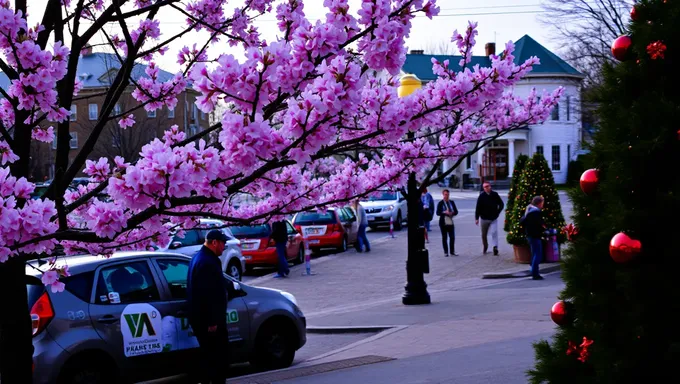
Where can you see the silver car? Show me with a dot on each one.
(232, 259)
(385, 205)
(124, 319)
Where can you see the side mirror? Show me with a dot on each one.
(175, 245)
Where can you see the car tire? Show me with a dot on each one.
(300, 255)
(343, 245)
(274, 347)
(397, 224)
(89, 370)
(234, 270)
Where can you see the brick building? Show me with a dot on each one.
(97, 71)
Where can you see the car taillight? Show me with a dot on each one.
(41, 313)
(336, 228)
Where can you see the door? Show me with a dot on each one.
(351, 225)
(127, 313)
(174, 273)
(294, 241)
(191, 242)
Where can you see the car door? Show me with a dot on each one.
(294, 241)
(189, 244)
(127, 314)
(173, 272)
(351, 225)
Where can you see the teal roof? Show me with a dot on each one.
(421, 64)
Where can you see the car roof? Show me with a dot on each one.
(87, 263)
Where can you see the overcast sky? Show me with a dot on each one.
(499, 21)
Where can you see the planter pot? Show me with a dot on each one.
(522, 254)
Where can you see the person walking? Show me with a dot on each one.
(428, 210)
(362, 219)
(534, 226)
(280, 236)
(207, 299)
(489, 207)
(446, 210)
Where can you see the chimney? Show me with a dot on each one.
(490, 49)
(417, 52)
(86, 51)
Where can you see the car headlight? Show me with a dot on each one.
(290, 297)
(388, 208)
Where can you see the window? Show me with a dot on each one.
(73, 143)
(350, 214)
(291, 229)
(116, 109)
(171, 113)
(468, 162)
(539, 149)
(191, 237)
(151, 114)
(126, 283)
(80, 285)
(555, 114)
(74, 113)
(555, 157)
(194, 113)
(175, 273)
(568, 108)
(202, 115)
(568, 152)
(93, 111)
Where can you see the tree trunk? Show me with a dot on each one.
(16, 345)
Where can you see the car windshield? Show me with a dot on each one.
(256, 231)
(306, 218)
(384, 196)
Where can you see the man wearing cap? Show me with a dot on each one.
(207, 301)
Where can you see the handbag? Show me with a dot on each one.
(448, 220)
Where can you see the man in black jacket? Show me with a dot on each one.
(207, 301)
(446, 210)
(533, 224)
(280, 236)
(489, 207)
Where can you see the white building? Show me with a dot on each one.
(557, 139)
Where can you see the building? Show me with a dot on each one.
(557, 139)
(97, 71)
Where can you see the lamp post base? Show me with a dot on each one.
(416, 293)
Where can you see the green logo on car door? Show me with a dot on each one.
(137, 322)
(232, 316)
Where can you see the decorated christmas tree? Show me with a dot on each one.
(520, 164)
(616, 314)
(536, 180)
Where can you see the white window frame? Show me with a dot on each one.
(559, 158)
(117, 109)
(73, 143)
(73, 113)
(171, 113)
(151, 114)
(93, 111)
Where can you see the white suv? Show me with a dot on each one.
(387, 204)
(233, 262)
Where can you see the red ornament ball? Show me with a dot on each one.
(558, 313)
(623, 248)
(621, 47)
(634, 14)
(589, 181)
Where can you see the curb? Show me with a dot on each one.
(520, 274)
(350, 329)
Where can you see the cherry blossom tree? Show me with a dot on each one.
(298, 106)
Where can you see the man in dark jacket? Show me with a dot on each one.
(446, 210)
(207, 301)
(533, 224)
(280, 236)
(489, 207)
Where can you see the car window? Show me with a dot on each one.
(311, 218)
(175, 273)
(79, 285)
(291, 229)
(126, 283)
(350, 214)
(251, 231)
(343, 215)
(191, 237)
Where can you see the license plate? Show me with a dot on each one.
(314, 231)
(248, 246)
(371, 218)
(313, 241)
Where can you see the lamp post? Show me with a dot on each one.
(416, 288)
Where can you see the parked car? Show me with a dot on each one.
(334, 228)
(233, 262)
(259, 248)
(387, 204)
(123, 319)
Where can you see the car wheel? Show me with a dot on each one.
(300, 256)
(397, 224)
(343, 246)
(274, 347)
(234, 270)
(85, 370)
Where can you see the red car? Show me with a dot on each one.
(259, 249)
(335, 228)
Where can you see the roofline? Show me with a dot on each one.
(556, 74)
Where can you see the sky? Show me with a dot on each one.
(499, 21)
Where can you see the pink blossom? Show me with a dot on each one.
(127, 122)
(44, 135)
